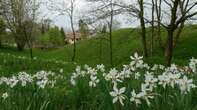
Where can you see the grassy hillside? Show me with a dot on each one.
(94, 87)
(125, 43)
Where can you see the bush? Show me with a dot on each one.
(51, 39)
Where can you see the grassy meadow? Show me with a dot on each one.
(51, 81)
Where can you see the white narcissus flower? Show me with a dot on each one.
(126, 73)
(93, 81)
(5, 95)
(186, 84)
(136, 57)
(138, 97)
(78, 69)
(118, 95)
(24, 78)
(146, 97)
(137, 75)
(12, 81)
(72, 81)
(163, 80)
(101, 67)
(3, 80)
(91, 71)
(173, 68)
(146, 66)
(155, 67)
(41, 75)
(135, 98)
(137, 61)
(42, 83)
(114, 76)
(52, 83)
(73, 78)
(162, 67)
(145, 87)
(61, 70)
(173, 78)
(193, 65)
(150, 80)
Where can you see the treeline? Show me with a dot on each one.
(171, 16)
(45, 36)
(168, 15)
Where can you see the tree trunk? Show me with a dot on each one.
(74, 35)
(158, 12)
(159, 36)
(20, 47)
(170, 29)
(110, 36)
(169, 47)
(143, 28)
(0, 44)
(153, 28)
(178, 34)
(144, 41)
(31, 53)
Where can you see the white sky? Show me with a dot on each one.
(81, 9)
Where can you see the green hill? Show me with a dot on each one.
(125, 42)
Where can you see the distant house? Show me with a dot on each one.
(70, 37)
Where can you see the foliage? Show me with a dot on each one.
(62, 33)
(101, 94)
(83, 28)
(137, 85)
(52, 38)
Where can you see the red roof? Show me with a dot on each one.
(71, 36)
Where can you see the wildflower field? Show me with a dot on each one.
(98, 54)
(135, 86)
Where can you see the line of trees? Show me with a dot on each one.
(167, 15)
(20, 17)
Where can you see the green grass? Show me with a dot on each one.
(125, 43)
(91, 52)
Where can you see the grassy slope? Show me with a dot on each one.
(125, 43)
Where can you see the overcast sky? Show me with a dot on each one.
(81, 9)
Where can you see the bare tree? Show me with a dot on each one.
(137, 10)
(143, 27)
(66, 7)
(31, 15)
(177, 21)
(12, 13)
(106, 10)
(20, 16)
(110, 30)
(176, 13)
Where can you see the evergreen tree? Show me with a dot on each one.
(83, 28)
(62, 33)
